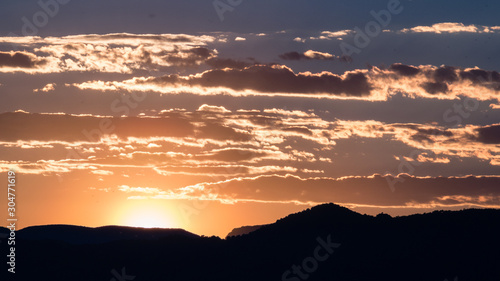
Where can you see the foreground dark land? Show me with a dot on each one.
(327, 242)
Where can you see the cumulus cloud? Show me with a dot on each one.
(118, 53)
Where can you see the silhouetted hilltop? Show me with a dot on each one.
(326, 242)
(244, 230)
(88, 235)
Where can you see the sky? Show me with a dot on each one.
(210, 115)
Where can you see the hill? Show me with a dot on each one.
(243, 230)
(86, 235)
(326, 242)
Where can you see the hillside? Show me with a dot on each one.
(326, 242)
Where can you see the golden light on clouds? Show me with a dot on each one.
(147, 121)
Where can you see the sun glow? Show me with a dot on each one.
(149, 216)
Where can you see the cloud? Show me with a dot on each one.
(47, 88)
(213, 108)
(298, 39)
(147, 190)
(16, 60)
(435, 87)
(300, 130)
(113, 53)
(328, 35)
(128, 39)
(102, 172)
(376, 83)
(258, 78)
(479, 76)
(443, 82)
(411, 192)
(489, 134)
(447, 27)
(437, 28)
(50, 127)
(308, 55)
(235, 155)
(404, 70)
(238, 142)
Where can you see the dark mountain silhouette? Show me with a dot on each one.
(4, 231)
(326, 242)
(86, 235)
(244, 230)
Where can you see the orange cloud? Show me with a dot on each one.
(447, 27)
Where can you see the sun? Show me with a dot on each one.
(147, 217)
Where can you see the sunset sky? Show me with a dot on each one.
(210, 115)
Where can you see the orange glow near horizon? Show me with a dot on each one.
(147, 214)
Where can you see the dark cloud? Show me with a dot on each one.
(275, 79)
(445, 74)
(174, 38)
(20, 59)
(300, 130)
(265, 120)
(201, 52)
(438, 80)
(292, 56)
(423, 133)
(435, 87)
(44, 127)
(489, 134)
(479, 76)
(375, 190)
(435, 132)
(405, 70)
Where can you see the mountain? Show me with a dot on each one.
(87, 235)
(244, 230)
(4, 233)
(326, 242)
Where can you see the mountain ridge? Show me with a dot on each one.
(432, 246)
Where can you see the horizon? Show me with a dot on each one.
(245, 226)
